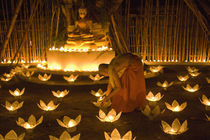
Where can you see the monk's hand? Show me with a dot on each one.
(104, 100)
(106, 93)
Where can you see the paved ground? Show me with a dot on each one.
(79, 102)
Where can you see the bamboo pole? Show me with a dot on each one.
(11, 28)
(34, 8)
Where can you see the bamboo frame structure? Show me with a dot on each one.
(173, 31)
(159, 31)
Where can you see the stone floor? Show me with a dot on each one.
(78, 101)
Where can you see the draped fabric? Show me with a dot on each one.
(132, 95)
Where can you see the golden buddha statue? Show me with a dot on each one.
(85, 34)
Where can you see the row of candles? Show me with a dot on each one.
(62, 49)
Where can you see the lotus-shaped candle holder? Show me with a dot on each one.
(115, 135)
(71, 78)
(99, 93)
(28, 73)
(194, 74)
(176, 128)
(165, 84)
(112, 116)
(151, 97)
(191, 89)
(155, 68)
(8, 75)
(207, 117)
(5, 79)
(49, 107)
(96, 78)
(17, 92)
(152, 113)
(69, 123)
(104, 105)
(45, 77)
(175, 107)
(183, 78)
(205, 100)
(11, 135)
(65, 136)
(208, 80)
(60, 94)
(32, 123)
(14, 106)
(192, 69)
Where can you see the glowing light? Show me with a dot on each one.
(155, 68)
(115, 135)
(68, 122)
(14, 106)
(17, 92)
(176, 128)
(165, 84)
(65, 136)
(110, 117)
(11, 135)
(60, 94)
(49, 107)
(99, 93)
(71, 78)
(205, 100)
(183, 78)
(32, 123)
(45, 77)
(96, 78)
(175, 107)
(191, 89)
(151, 97)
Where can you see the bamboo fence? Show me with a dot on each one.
(164, 31)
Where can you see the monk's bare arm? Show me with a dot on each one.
(117, 85)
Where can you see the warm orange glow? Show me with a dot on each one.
(176, 128)
(205, 100)
(68, 122)
(110, 117)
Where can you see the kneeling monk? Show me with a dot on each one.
(126, 85)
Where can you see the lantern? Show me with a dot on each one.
(11, 135)
(68, 122)
(152, 113)
(115, 135)
(45, 77)
(191, 89)
(176, 128)
(104, 105)
(32, 123)
(155, 68)
(49, 107)
(192, 69)
(110, 117)
(183, 78)
(17, 92)
(71, 78)
(65, 136)
(99, 93)
(194, 74)
(60, 94)
(165, 84)
(14, 106)
(96, 78)
(205, 100)
(151, 97)
(175, 107)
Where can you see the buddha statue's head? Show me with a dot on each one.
(82, 12)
